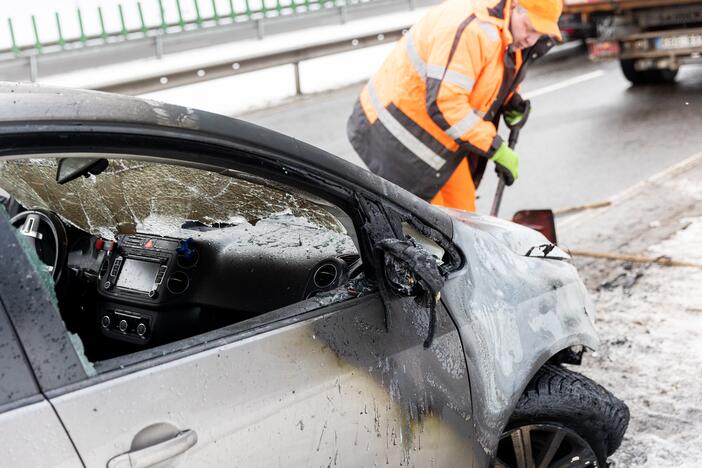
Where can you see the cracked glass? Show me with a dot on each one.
(134, 195)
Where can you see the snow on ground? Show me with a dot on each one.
(650, 323)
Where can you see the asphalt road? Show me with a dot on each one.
(590, 135)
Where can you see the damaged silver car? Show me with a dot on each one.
(182, 288)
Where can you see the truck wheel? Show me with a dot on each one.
(562, 419)
(641, 77)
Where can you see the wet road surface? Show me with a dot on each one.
(590, 134)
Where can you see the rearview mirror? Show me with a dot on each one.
(538, 220)
(72, 168)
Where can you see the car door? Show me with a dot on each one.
(346, 382)
(30, 432)
(332, 389)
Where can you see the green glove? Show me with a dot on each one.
(516, 111)
(513, 117)
(506, 163)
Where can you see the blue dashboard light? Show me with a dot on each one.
(185, 248)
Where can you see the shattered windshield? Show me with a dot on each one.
(141, 196)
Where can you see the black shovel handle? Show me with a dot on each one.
(498, 197)
(512, 142)
(514, 131)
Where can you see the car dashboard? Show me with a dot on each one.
(141, 290)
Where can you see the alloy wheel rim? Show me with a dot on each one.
(544, 446)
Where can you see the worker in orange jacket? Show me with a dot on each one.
(427, 120)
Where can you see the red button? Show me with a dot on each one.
(99, 244)
(149, 244)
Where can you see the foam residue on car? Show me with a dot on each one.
(354, 288)
(133, 194)
(520, 239)
(168, 115)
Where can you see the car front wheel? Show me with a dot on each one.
(563, 419)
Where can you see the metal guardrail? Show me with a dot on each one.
(61, 41)
(224, 68)
(107, 48)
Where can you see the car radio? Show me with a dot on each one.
(143, 270)
(139, 265)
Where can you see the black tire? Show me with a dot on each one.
(647, 77)
(558, 399)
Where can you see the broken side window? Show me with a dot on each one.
(161, 257)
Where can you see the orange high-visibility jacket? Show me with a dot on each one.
(435, 98)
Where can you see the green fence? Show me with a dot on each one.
(57, 37)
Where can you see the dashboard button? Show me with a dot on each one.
(123, 325)
(105, 321)
(141, 329)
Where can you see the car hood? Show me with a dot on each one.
(519, 239)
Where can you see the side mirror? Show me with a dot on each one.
(538, 220)
(72, 168)
(409, 269)
(400, 277)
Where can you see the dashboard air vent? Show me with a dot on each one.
(325, 275)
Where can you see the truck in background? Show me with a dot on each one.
(650, 38)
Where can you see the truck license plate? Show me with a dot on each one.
(679, 42)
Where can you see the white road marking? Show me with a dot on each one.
(564, 84)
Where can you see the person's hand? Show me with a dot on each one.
(506, 163)
(516, 111)
(513, 118)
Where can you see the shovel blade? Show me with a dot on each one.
(539, 220)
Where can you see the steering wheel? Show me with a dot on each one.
(45, 232)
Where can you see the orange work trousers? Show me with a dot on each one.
(459, 191)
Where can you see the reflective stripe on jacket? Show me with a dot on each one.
(435, 97)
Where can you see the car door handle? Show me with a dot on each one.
(156, 453)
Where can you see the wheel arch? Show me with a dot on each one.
(491, 419)
(544, 358)
(560, 400)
